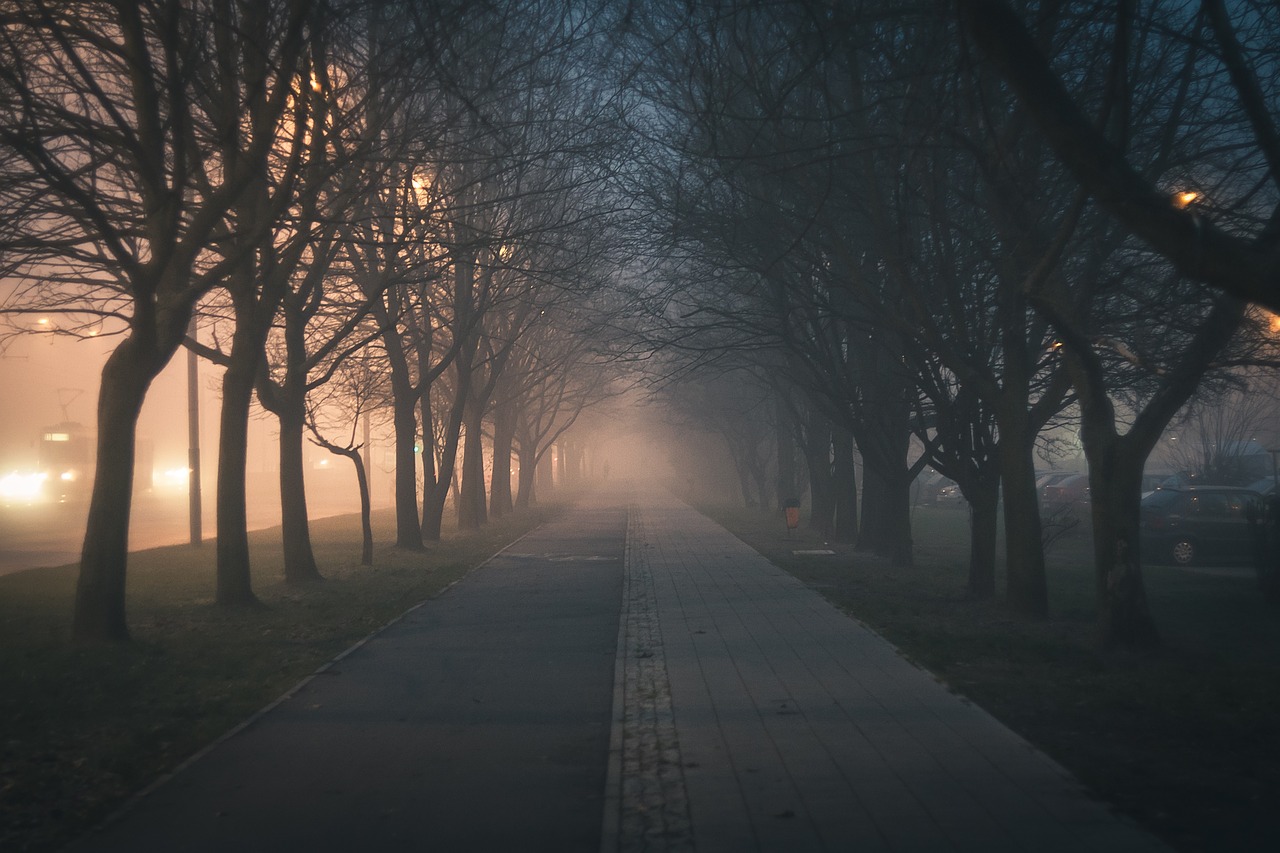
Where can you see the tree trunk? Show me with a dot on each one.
(1027, 588)
(568, 458)
(234, 583)
(784, 435)
(409, 533)
(744, 484)
(532, 471)
(434, 499)
(886, 500)
(983, 523)
(504, 428)
(760, 476)
(430, 453)
(366, 524)
(545, 477)
(1115, 469)
(881, 427)
(1115, 488)
(742, 466)
(287, 400)
(472, 511)
(844, 488)
(404, 422)
(886, 512)
(100, 590)
(295, 526)
(817, 457)
(527, 482)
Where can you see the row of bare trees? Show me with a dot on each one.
(364, 207)
(905, 224)
(870, 226)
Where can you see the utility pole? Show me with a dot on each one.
(193, 440)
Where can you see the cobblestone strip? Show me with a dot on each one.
(654, 804)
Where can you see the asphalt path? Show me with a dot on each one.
(479, 721)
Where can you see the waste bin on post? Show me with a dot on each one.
(792, 509)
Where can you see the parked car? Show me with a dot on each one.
(1179, 480)
(950, 496)
(1197, 524)
(1151, 482)
(1069, 490)
(1050, 478)
(1265, 486)
(925, 487)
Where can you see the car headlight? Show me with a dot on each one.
(17, 486)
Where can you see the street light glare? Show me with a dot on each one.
(1185, 198)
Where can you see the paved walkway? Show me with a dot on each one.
(759, 717)
(681, 695)
(477, 722)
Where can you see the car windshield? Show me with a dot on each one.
(1161, 499)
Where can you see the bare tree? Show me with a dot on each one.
(1223, 434)
(1230, 241)
(340, 408)
(1190, 173)
(119, 180)
(321, 317)
(556, 377)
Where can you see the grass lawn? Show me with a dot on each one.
(1186, 739)
(84, 727)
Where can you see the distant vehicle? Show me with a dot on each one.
(1197, 524)
(62, 473)
(950, 496)
(66, 458)
(926, 486)
(1051, 478)
(1151, 482)
(1265, 486)
(1072, 489)
(1180, 480)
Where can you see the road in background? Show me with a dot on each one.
(51, 534)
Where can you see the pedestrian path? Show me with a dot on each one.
(479, 721)
(756, 716)
(630, 677)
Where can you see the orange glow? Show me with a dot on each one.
(1273, 322)
(1183, 199)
